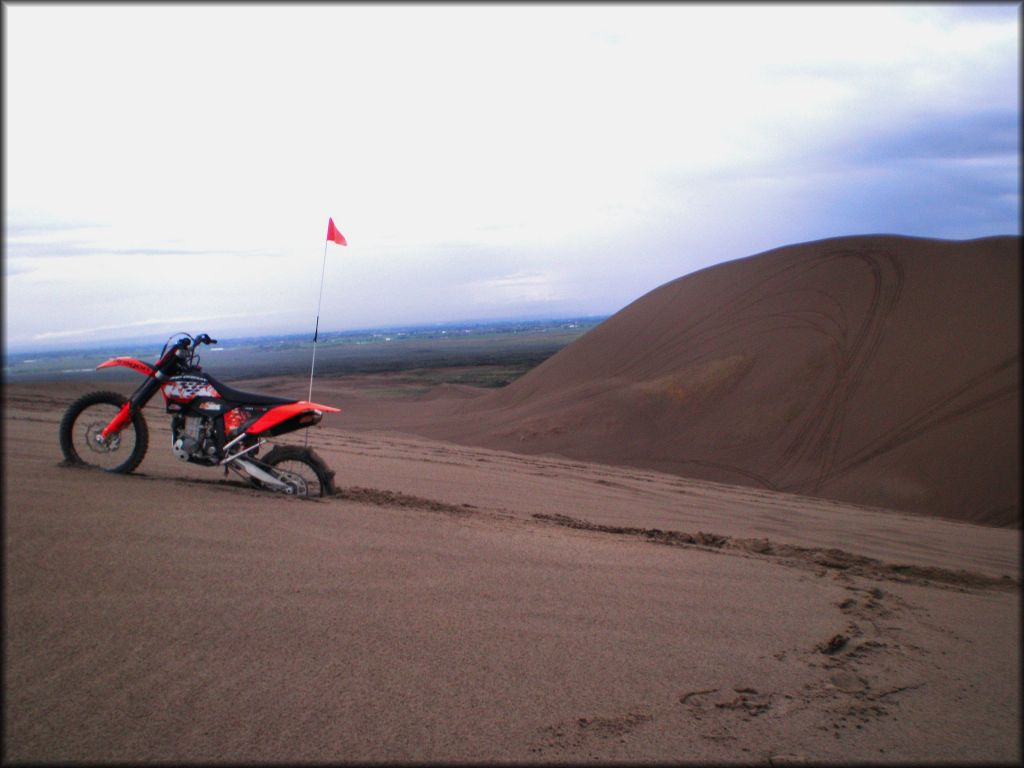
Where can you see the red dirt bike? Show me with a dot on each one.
(211, 424)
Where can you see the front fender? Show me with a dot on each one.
(128, 362)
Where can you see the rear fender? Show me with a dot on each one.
(289, 417)
(128, 362)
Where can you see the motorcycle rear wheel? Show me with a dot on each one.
(86, 418)
(315, 478)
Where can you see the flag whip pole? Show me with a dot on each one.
(333, 236)
(316, 334)
(316, 330)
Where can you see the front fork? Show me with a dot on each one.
(116, 424)
(135, 403)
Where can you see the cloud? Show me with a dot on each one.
(20, 225)
(53, 249)
(991, 134)
(24, 241)
(17, 267)
(137, 325)
(518, 288)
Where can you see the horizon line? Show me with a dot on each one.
(87, 346)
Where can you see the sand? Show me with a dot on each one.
(879, 370)
(458, 603)
(739, 522)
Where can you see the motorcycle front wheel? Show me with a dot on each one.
(306, 472)
(82, 424)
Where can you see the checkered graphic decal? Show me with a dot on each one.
(185, 388)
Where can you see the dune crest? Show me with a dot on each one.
(880, 370)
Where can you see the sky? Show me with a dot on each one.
(172, 167)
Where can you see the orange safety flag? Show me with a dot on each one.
(334, 235)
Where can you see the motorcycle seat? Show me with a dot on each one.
(237, 396)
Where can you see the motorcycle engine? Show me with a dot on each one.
(192, 438)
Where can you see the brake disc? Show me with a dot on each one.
(93, 437)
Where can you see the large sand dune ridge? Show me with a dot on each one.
(880, 370)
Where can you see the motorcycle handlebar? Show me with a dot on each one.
(203, 338)
(186, 341)
(180, 348)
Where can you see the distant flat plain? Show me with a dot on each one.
(499, 351)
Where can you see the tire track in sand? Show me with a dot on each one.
(942, 411)
(821, 432)
(807, 558)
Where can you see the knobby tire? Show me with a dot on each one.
(81, 406)
(308, 457)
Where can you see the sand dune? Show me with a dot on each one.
(456, 603)
(878, 370)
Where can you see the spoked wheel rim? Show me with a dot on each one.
(300, 477)
(87, 443)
